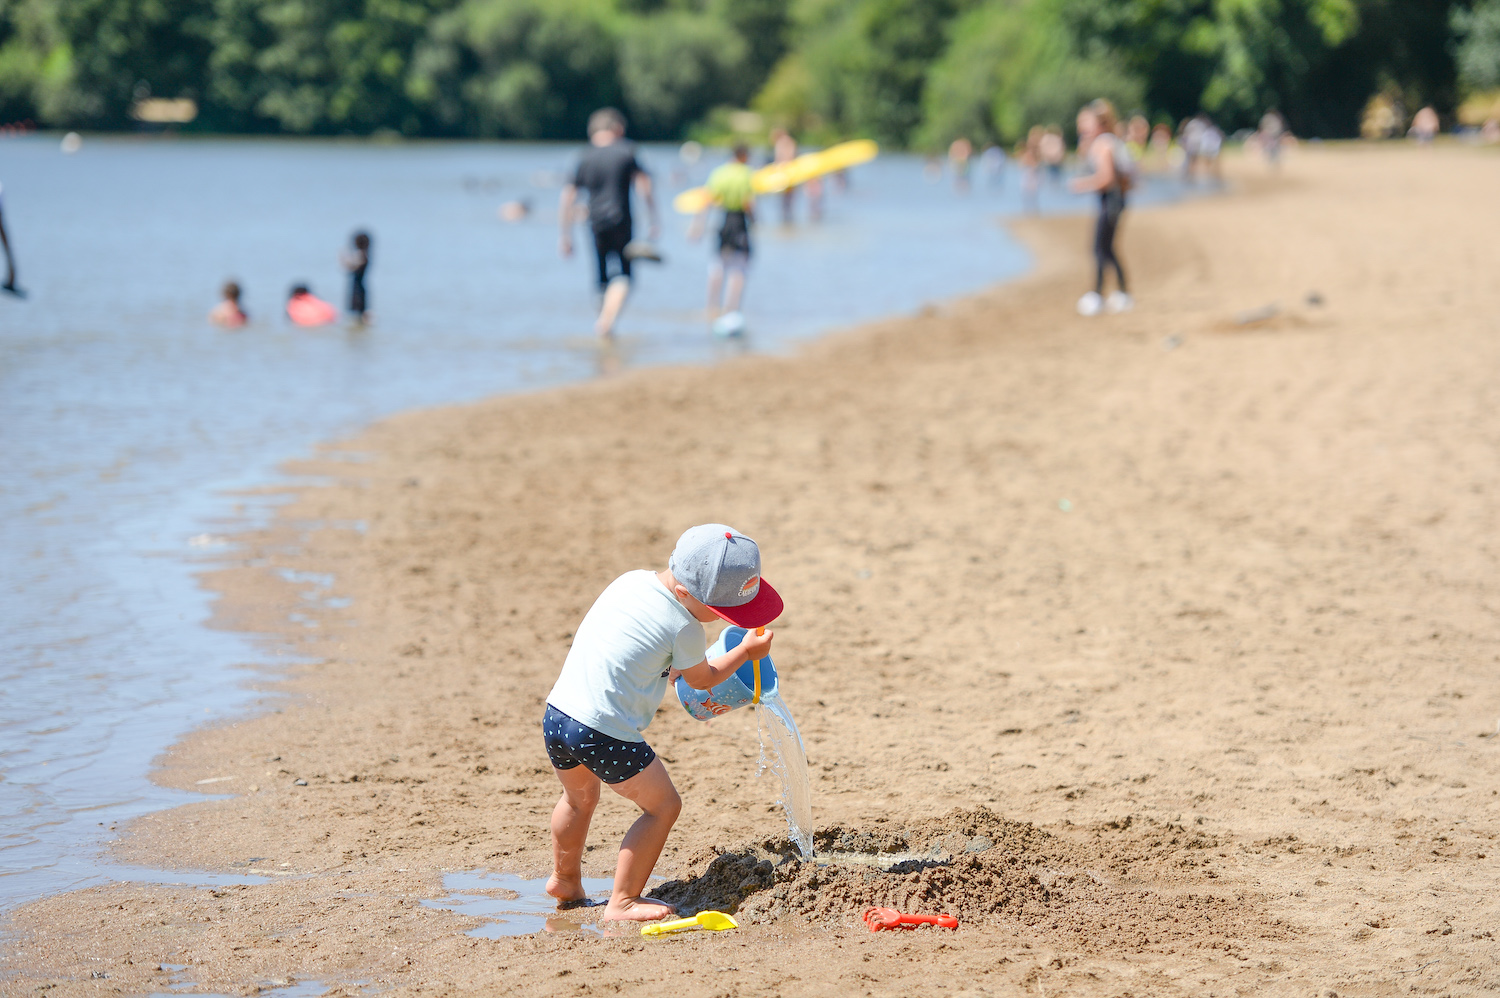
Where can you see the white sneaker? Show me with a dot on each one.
(1119, 301)
(1090, 304)
(729, 324)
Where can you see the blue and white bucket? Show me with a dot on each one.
(736, 691)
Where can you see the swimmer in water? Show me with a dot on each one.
(305, 309)
(784, 150)
(959, 152)
(1052, 150)
(1028, 154)
(357, 262)
(228, 312)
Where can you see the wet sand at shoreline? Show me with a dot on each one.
(1199, 611)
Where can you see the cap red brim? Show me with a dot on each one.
(764, 608)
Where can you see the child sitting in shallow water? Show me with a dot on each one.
(643, 631)
(228, 312)
(306, 309)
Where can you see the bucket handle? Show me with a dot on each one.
(756, 668)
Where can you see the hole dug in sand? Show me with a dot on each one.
(1123, 887)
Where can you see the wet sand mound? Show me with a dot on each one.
(1118, 887)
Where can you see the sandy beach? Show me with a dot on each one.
(1169, 638)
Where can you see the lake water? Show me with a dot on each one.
(125, 418)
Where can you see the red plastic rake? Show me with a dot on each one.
(890, 918)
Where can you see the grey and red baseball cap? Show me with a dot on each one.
(720, 568)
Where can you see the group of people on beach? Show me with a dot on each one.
(303, 308)
(609, 174)
(1110, 155)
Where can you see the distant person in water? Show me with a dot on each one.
(992, 165)
(10, 260)
(1052, 150)
(1210, 145)
(607, 171)
(357, 262)
(960, 151)
(732, 192)
(228, 312)
(1029, 155)
(305, 309)
(1110, 173)
(784, 150)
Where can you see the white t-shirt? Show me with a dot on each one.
(615, 674)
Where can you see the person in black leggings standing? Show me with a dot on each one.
(607, 171)
(1110, 172)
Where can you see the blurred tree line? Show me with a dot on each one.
(907, 72)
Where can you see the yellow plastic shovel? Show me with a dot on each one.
(713, 921)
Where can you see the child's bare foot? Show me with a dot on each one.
(568, 890)
(636, 910)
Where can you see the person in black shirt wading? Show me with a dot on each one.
(606, 170)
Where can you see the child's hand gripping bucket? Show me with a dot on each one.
(736, 691)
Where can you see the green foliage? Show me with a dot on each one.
(786, 99)
(764, 26)
(675, 66)
(1318, 60)
(88, 61)
(903, 71)
(312, 65)
(869, 60)
(1012, 65)
(1479, 46)
(517, 68)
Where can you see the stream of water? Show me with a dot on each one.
(782, 752)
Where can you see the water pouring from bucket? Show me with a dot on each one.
(781, 747)
(720, 568)
(747, 685)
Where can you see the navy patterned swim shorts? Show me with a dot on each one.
(571, 743)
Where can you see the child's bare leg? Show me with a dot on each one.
(614, 300)
(715, 290)
(651, 791)
(570, 830)
(735, 290)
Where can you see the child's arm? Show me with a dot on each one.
(708, 674)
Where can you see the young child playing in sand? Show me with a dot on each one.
(642, 632)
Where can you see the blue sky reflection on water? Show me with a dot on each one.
(128, 417)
